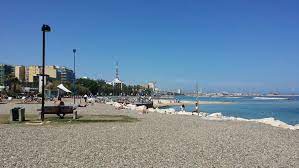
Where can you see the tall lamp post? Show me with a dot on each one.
(45, 28)
(74, 78)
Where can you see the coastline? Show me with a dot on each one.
(158, 103)
(32, 108)
(214, 116)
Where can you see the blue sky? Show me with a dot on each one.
(237, 45)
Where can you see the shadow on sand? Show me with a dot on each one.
(53, 119)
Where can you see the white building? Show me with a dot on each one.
(179, 91)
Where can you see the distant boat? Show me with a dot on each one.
(271, 98)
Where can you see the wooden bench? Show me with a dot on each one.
(61, 111)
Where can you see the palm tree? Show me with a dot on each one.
(13, 84)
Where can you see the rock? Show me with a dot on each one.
(273, 122)
(117, 105)
(91, 100)
(109, 102)
(184, 113)
(216, 115)
(131, 106)
(151, 110)
(140, 108)
(202, 114)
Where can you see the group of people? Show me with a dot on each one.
(196, 110)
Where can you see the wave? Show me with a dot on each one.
(271, 98)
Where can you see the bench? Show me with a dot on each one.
(61, 111)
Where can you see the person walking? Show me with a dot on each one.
(85, 98)
(183, 108)
(196, 109)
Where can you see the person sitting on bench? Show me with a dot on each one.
(59, 102)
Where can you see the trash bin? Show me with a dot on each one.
(17, 114)
(22, 114)
(14, 114)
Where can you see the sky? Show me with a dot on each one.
(231, 45)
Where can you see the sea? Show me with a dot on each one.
(283, 108)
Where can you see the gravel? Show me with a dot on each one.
(156, 140)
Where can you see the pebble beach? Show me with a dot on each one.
(154, 140)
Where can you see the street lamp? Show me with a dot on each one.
(45, 28)
(74, 78)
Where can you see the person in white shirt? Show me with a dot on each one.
(196, 109)
(85, 98)
(183, 108)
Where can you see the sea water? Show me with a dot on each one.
(285, 109)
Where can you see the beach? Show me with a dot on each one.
(153, 140)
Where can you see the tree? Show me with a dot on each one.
(82, 90)
(14, 84)
(90, 84)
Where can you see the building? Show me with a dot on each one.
(52, 71)
(150, 85)
(55, 72)
(65, 74)
(31, 72)
(179, 91)
(20, 73)
(117, 80)
(5, 72)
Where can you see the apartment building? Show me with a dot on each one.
(20, 72)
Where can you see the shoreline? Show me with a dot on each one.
(214, 116)
(31, 108)
(158, 103)
(218, 116)
(246, 96)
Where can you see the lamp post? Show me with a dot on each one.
(74, 78)
(45, 28)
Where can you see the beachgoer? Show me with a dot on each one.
(183, 108)
(59, 102)
(85, 98)
(196, 109)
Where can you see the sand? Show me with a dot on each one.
(156, 140)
